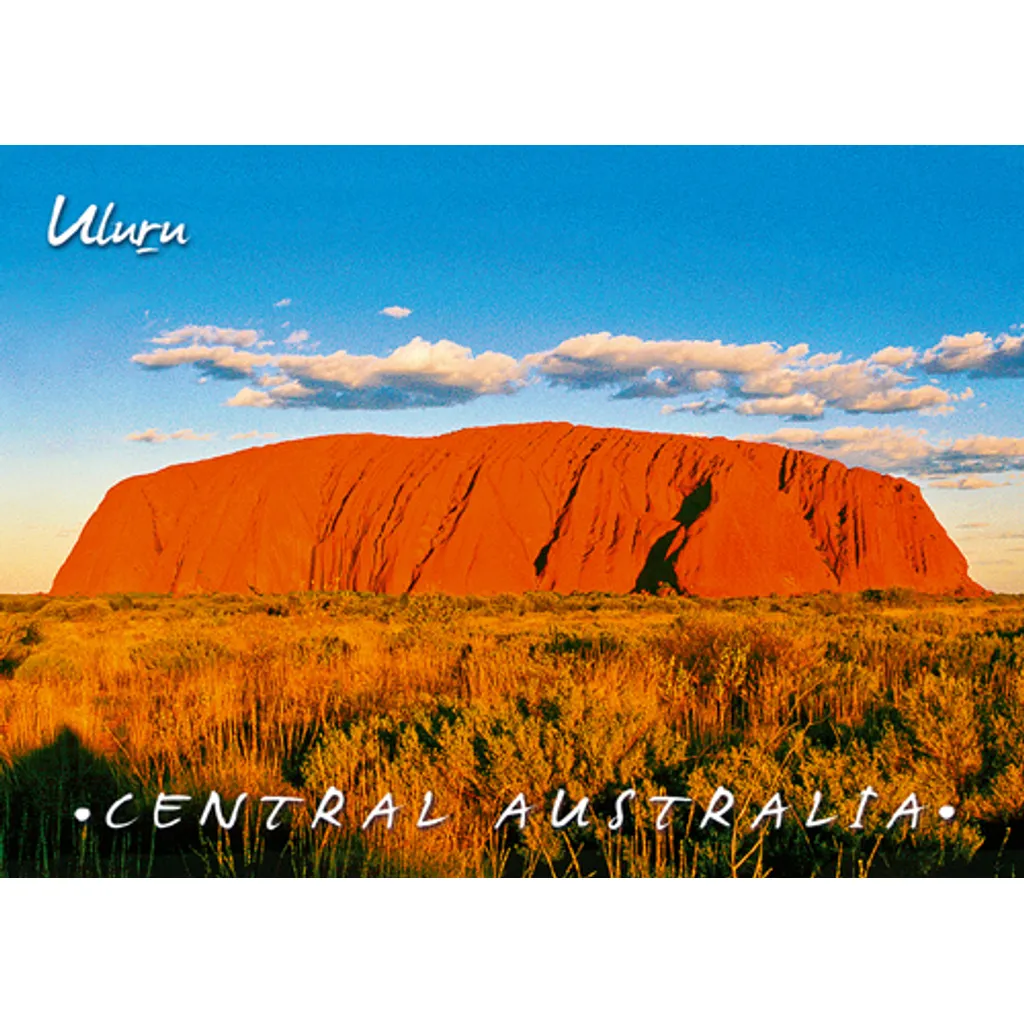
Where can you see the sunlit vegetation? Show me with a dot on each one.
(477, 700)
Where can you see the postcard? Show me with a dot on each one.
(511, 512)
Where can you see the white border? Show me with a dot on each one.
(525, 73)
(534, 71)
(548, 950)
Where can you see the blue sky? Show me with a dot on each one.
(865, 303)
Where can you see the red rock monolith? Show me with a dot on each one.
(541, 506)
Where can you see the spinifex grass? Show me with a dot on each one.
(477, 700)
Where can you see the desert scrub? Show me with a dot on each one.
(478, 699)
(18, 635)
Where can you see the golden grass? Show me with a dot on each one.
(477, 700)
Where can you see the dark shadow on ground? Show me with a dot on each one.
(40, 834)
(39, 794)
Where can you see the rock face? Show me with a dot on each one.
(543, 506)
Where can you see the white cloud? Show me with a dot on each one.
(755, 379)
(891, 356)
(154, 436)
(281, 303)
(230, 361)
(966, 483)
(700, 408)
(251, 398)
(763, 370)
(859, 386)
(250, 435)
(886, 448)
(418, 373)
(207, 336)
(290, 389)
(820, 359)
(978, 354)
(802, 406)
(595, 359)
(897, 449)
(290, 392)
(985, 445)
(396, 312)
(900, 399)
(150, 436)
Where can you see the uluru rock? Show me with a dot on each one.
(543, 506)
